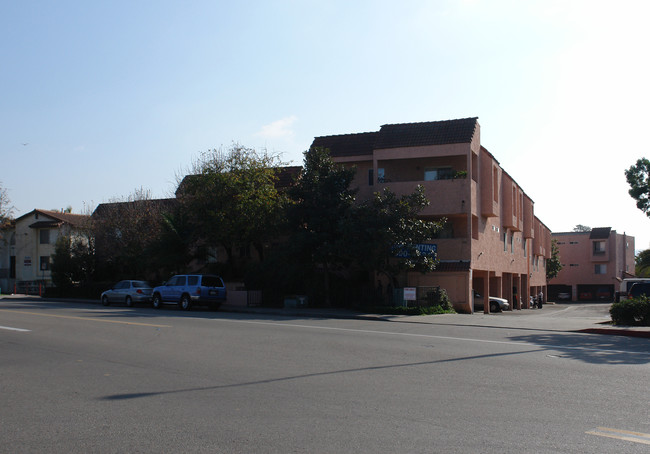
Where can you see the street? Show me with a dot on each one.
(79, 378)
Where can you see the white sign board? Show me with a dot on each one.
(410, 293)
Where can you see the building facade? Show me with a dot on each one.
(594, 264)
(492, 242)
(28, 246)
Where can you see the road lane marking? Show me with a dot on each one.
(15, 329)
(433, 336)
(619, 434)
(72, 317)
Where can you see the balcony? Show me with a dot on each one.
(446, 197)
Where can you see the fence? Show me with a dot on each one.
(29, 288)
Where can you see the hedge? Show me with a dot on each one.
(631, 312)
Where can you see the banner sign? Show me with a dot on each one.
(423, 249)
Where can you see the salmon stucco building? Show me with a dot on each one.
(492, 242)
(594, 264)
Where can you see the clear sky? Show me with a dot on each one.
(102, 98)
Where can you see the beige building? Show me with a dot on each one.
(492, 241)
(28, 245)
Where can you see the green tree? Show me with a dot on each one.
(582, 228)
(322, 199)
(553, 265)
(231, 200)
(171, 251)
(335, 235)
(73, 261)
(382, 234)
(638, 177)
(124, 230)
(642, 261)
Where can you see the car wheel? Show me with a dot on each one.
(129, 301)
(494, 307)
(185, 303)
(105, 301)
(156, 301)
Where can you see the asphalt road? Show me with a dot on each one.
(79, 378)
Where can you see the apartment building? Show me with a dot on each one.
(492, 241)
(594, 263)
(27, 247)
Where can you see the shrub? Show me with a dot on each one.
(631, 312)
(438, 298)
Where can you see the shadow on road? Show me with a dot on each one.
(311, 375)
(590, 348)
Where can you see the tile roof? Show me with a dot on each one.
(429, 133)
(287, 176)
(114, 208)
(348, 144)
(448, 266)
(600, 233)
(400, 135)
(68, 218)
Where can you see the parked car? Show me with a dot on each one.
(496, 304)
(188, 290)
(604, 293)
(638, 289)
(129, 292)
(564, 296)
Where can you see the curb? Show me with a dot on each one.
(617, 332)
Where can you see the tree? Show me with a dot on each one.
(321, 199)
(582, 228)
(638, 177)
(73, 261)
(124, 230)
(230, 199)
(553, 265)
(6, 210)
(383, 234)
(335, 235)
(172, 250)
(642, 261)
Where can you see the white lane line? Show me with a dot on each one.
(15, 329)
(619, 434)
(433, 336)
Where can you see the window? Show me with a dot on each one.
(525, 248)
(381, 175)
(192, 280)
(438, 173)
(599, 247)
(45, 236)
(600, 269)
(45, 263)
(371, 177)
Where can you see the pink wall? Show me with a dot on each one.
(495, 231)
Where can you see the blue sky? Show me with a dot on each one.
(115, 96)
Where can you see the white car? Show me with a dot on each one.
(496, 304)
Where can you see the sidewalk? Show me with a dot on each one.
(587, 318)
(564, 318)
